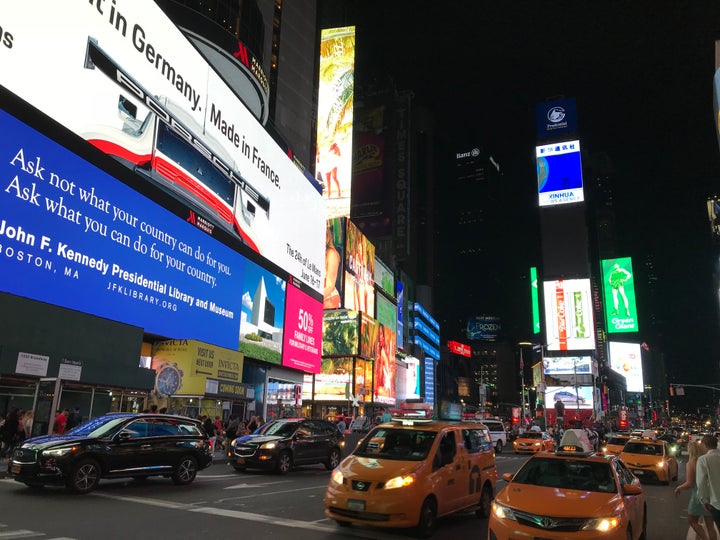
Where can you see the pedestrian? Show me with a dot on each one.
(341, 425)
(697, 514)
(253, 424)
(232, 429)
(74, 419)
(8, 432)
(219, 432)
(707, 477)
(60, 423)
(26, 423)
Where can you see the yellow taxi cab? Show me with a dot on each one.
(408, 473)
(650, 460)
(615, 443)
(533, 441)
(570, 493)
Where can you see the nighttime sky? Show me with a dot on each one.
(641, 73)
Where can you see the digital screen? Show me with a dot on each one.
(573, 397)
(334, 380)
(568, 315)
(384, 390)
(534, 300)
(341, 330)
(263, 314)
(335, 118)
(412, 379)
(619, 294)
(567, 365)
(359, 285)
(302, 342)
(626, 359)
(143, 94)
(334, 257)
(386, 312)
(556, 118)
(76, 237)
(483, 327)
(559, 173)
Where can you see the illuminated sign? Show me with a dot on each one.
(359, 284)
(554, 118)
(619, 294)
(341, 330)
(568, 315)
(335, 118)
(559, 173)
(483, 327)
(626, 359)
(459, 348)
(573, 397)
(143, 94)
(567, 365)
(535, 300)
(302, 340)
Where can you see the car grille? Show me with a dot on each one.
(367, 516)
(24, 455)
(549, 523)
(245, 451)
(359, 485)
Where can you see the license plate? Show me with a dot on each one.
(639, 473)
(240, 460)
(15, 469)
(356, 505)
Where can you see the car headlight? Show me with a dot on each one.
(661, 464)
(337, 477)
(604, 449)
(501, 511)
(400, 481)
(268, 446)
(537, 444)
(601, 524)
(57, 452)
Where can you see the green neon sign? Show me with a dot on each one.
(619, 295)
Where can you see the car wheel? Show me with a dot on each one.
(485, 503)
(84, 476)
(428, 519)
(498, 447)
(284, 462)
(186, 471)
(333, 459)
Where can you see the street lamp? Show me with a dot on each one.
(522, 377)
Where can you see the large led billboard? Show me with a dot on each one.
(619, 295)
(568, 315)
(359, 283)
(556, 118)
(127, 80)
(626, 359)
(74, 236)
(483, 327)
(573, 397)
(567, 365)
(534, 300)
(559, 173)
(335, 118)
(303, 328)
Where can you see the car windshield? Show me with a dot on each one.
(531, 435)
(101, 426)
(281, 429)
(567, 474)
(643, 448)
(400, 444)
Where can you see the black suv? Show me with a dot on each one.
(281, 444)
(118, 445)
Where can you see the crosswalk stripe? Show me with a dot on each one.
(20, 533)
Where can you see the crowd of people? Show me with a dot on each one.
(14, 428)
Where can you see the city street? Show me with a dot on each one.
(222, 502)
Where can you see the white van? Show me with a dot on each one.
(497, 433)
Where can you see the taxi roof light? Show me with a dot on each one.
(575, 441)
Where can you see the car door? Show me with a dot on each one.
(634, 503)
(305, 442)
(451, 480)
(130, 449)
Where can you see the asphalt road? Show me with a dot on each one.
(224, 503)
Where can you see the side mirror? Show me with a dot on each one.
(508, 476)
(123, 436)
(631, 489)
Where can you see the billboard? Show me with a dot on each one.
(568, 315)
(386, 312)
(534, 300)
(573, 397)
(626, 359)
(619, 295)
(144, 95)
(559, 173)
(567, 365)
(483, 327)
(384, 277)
(186, 367)
(334, 257)
(335, 118)
(334, 380)
(713, 212)
(302, 336)
(556, 118)
(359, 284)
(411, 388)
(341, 331)
(76, 237)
